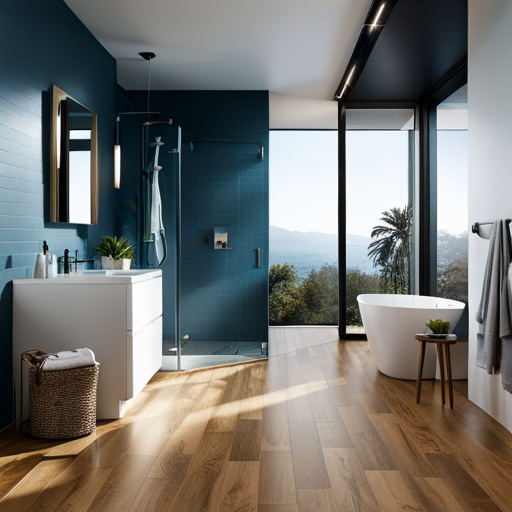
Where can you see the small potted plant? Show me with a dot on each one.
(115, 253)
(439, 328)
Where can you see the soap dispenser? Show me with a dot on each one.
(46, 253)
(40, 268)
(54, 267)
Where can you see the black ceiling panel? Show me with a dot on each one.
(421, 42)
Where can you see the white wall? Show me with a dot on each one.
(292, 113)
(490, 168)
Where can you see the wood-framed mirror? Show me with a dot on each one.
(73, 161)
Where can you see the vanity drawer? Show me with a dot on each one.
(144, 356)
(144, 303)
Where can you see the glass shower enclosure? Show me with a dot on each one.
(197, 228)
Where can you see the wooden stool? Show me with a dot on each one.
(423, 339)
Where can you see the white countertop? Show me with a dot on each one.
(96, 277)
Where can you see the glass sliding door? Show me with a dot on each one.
(452, 206)
(303, 277)
(379, 207)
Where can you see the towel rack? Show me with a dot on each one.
(475, 227)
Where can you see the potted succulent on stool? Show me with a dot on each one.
(115, 253)
(439, 328)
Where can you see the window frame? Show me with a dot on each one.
(342, 200)
(424, 145)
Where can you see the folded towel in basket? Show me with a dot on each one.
(69, 359)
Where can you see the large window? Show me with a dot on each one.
(303, 280)
(452, 193)
(379, 208)
(403, 206)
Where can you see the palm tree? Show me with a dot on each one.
(391, 248)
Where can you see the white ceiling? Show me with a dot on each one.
(290, 47)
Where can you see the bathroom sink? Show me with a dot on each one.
(134, 272)
(120, 276)
(98, 277)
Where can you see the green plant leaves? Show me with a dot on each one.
(438, 326)
(116, 249)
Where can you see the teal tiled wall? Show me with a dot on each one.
(44, 43)
(224, 297)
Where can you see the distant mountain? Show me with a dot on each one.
(451, 248)
(312, 250)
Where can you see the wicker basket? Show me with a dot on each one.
(62, 402)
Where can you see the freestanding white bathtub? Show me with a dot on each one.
(390, 323)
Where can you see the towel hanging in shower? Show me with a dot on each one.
(157, 226)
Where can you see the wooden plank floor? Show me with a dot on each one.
(316, 428)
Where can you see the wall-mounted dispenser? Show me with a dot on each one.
(220, 238)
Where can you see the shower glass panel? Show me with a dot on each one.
(379, 206)
(169, 160)
(213, 287)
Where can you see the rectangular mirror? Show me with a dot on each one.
(74, 161)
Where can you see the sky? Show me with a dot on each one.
(377, 177)
(304, 179)
(452, 181)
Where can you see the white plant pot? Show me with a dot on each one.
(123, 264)
(107, 263)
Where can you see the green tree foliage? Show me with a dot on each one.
(314, 301)
(285, 300)
(320, 296)
(452, 281)
(452, 266)
(358, 283)
(391, 248)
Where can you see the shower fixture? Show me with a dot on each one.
(149, 56)
(154, 216)
(231, 140)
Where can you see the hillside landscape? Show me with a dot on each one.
(312, 250)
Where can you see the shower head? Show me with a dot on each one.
(158, 142)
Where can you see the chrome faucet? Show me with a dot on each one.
(66, 260)
(77, 261)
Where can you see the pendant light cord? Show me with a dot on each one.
(149, 82)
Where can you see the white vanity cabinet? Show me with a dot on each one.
(117, 314)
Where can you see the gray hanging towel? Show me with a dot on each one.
(494, 311)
